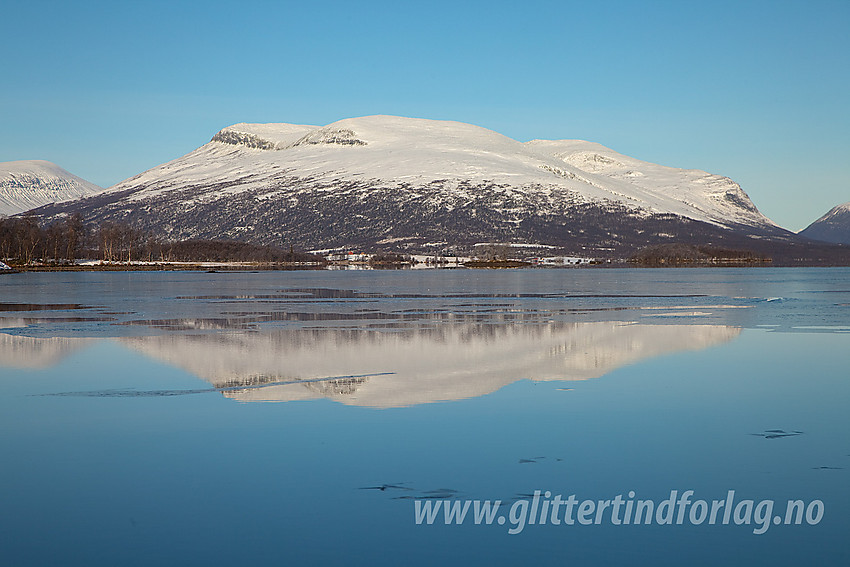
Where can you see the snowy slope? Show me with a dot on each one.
(834, 226)
(27, 184)
(688, 192)
(394, 151)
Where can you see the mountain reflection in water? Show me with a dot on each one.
(394, 368)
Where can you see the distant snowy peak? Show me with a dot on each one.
(836, 211)
(834, 226)
(28, 184)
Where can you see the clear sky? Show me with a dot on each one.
(754, 90)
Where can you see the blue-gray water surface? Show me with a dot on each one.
(300, 418)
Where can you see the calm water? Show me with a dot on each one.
(294, 418)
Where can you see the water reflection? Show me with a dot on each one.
(418, 366)
(29, 352)
(123, 446)
(394, 368)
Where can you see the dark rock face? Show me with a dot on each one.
(243, 139)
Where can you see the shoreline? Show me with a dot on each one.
(224, 267)
(165, 267)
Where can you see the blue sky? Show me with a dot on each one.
(757, 91)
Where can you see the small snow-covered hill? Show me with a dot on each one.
(28, 184)
(834, 226)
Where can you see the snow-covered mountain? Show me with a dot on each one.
(28, 184)
(834, 226)
(382, 180)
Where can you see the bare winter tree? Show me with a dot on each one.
(74, 235)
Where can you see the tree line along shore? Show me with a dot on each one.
(25, 243)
